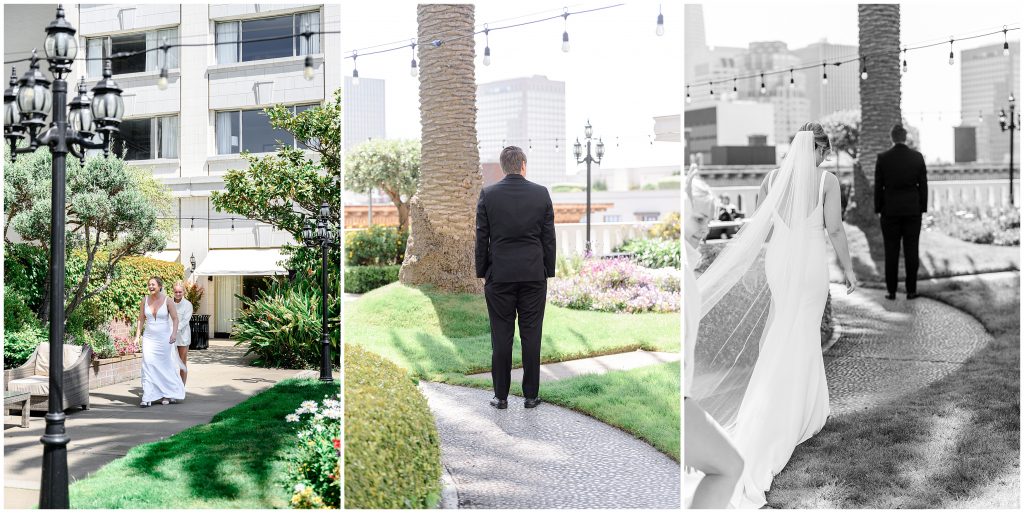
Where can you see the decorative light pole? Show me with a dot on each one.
(577, 149)
(26, 104)
(1012, 126)
(318, 232)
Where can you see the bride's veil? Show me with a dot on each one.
(737, 302)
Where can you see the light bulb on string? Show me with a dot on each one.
(307, 68)
(487, 46)
(355, 69)
(904, 59)
(414, 69)
(161, 83)
(824, 75)
(734, 84)
(660, 30)
(792, 83)
(864, 68)
(565, 31)
(688, 99)
(950, 50)
(981, 118)
(711, 90)
(764, 90)
(1006, 44)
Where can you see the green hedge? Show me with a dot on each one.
(392, 449)
(121, 299)
(365, 278)
(376, 245)
(19, 345)
(653, 253)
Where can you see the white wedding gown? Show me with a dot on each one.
(160, 361)
(786, 401)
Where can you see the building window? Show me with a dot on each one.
(267, 38)
(612, 218)
(250, 130)
(647, 216)
(150, 60)
(148, 138)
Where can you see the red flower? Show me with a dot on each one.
(337, 443)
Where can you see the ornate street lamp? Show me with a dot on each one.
(25, 111)
(577, 149)
(1011, 127)
(319, 233)
(192, 262)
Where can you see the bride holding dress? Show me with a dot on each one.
(160, 362)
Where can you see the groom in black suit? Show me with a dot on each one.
(901, 196)
(515, 253)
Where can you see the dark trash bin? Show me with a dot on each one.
(200, 326)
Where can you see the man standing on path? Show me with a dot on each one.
(901, 196)
(515, 254)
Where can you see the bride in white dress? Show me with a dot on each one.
(769, 391)
(160, 362)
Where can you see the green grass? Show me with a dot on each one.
(436, 335)
(236, 461)
(940, 255)
(954, 444)
(643, 402)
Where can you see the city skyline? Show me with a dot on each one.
(931, 88)
(599, 71)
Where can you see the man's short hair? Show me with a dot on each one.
(512, 160)
(898, 134)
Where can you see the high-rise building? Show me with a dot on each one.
(842, 92)
(364, 111)
(528, 112)
(788, 99)
(986, 79)
(193, 131)
(726, 123)
(695, 49)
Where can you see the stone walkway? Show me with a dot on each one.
(218, 379)
(595, 365)
(547, 457)
(890, 348)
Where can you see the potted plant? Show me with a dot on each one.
(198, 324)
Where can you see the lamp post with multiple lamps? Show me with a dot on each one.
(26, 104)
(1011, 127)
(577, 149)
(317, 232)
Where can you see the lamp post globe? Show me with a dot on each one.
(60, 45)
(34, 97)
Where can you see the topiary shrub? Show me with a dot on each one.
(360, 279)
(392, 449)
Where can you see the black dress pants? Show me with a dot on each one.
(897, 229)
(504, 301)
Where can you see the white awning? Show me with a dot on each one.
(666, 128)
(170, 255)
(234, 262)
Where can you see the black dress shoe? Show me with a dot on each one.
(500, 404)
(912, 295)
(890, 296)
(531, 403)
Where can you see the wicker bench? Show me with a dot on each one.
(33, 377)
(16, 398)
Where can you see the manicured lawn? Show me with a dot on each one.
(438, 336)
(643, 402)
(236, 461)
(940, 255)
(954, 444)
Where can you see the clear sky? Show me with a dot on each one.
(931, 89)
(618, 72)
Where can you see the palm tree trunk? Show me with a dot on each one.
(442, 212)
(879, 27)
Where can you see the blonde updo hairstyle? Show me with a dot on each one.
(820, 137)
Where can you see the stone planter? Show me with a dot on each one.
(107, 371)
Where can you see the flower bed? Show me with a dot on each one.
(999, 226)
(313, 471)
(617, 285)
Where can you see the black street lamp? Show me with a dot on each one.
(577, 149)
(1011, 127)
(26, 105)
(318, 232)
(192, 262)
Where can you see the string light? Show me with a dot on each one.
(864, 69)
(950, 50)
(1006, 44)
(824, 75)
(414, 70)
(764, 90)
(904, 59)
(688, 99)
(661, 23)
(792, 83)
(711, 90)
(565, 32)
(734, 84)
(161, 83)
(307, 63)
(355, 70)
(487, 46)
(981, 118)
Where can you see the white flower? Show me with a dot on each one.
(291, 417)
(319, 427)
(310, 406)
(300, 411)
(299, 487)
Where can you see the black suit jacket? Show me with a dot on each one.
(515, 232)
(901, 182)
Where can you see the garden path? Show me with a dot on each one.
(219, 378)
(547, 457)
(594, 365)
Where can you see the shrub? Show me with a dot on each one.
(360, 279)
(566, 267)
(25, 271)
(16, 312)
(194, 294)
(667, 228)
(654, 253)
(101, 343)
(376, 245)
(126, 345)
(998, 226)
(617, 285)
(392, 449)
(121, 299)
(283, 325)
(19, 345)
(313, 472)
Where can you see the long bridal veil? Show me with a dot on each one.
(736, 302)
